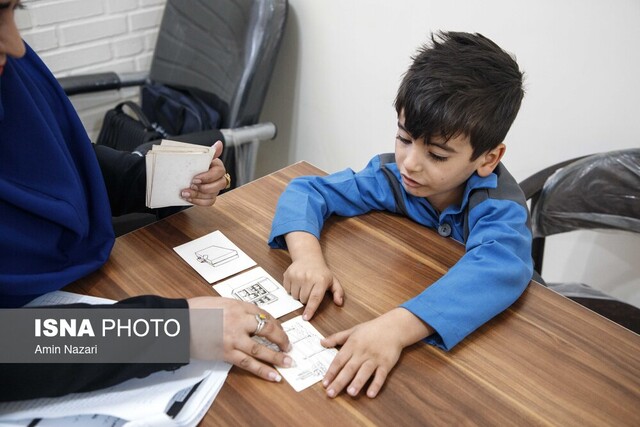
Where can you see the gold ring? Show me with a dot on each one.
(227, 177)
(262, 320)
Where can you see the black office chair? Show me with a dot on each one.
(600, 191)
(225, 51)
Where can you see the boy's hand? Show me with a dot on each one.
(308, 280)
(308, 276)
(371, 349)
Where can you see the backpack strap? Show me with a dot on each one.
(137, 111)
(393, 182)
(507, 189)
(475, 198)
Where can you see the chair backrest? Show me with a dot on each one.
(597, 191)
(224, 50)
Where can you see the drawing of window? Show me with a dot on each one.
(258, 291)
(216, 255)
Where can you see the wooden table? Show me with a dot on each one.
(545, 361)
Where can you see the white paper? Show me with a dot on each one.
(170, 168)
(311, 359)
(258, 287)
(135, 402)
(214, 256)
(64, 297)
(142, 399)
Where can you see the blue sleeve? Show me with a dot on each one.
(491, 276)
(308, 201)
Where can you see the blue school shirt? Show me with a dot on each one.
(494, 271)
(55, 219)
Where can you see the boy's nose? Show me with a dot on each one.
(412, 161)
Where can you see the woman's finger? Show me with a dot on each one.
(248, 363)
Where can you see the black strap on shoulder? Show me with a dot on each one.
(393, 182)
(475, 198)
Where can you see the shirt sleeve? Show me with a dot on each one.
(308, 201)
(125, 177)
(491, 276)
(33, 380)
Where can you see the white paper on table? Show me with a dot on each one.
(64, 297)
(258, 287)
(311, 359)
(133, 402)
(143, 400)
(214, 256)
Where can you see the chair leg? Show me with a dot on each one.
(537, 252)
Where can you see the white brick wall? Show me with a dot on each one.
(88, 36)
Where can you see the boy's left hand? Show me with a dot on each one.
(206, 186)
(371, 349)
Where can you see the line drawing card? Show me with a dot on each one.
(258, 287)
(311, 359)
(214, 256)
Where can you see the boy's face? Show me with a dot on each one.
(438, 169)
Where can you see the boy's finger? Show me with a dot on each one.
(315, 298)
(338, 338)
(286, 283)
(365, 372)
(336, 366)
(341, 375)
(338, 292)
(377, 383)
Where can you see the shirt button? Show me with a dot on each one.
(444, 230)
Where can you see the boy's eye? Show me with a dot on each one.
(402, 139)
(436, 157)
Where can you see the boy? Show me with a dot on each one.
(455, 106)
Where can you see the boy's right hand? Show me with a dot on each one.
(308, 278)
(308, 281)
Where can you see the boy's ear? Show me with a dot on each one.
(489, 160)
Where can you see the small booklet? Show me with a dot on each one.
(170, 168)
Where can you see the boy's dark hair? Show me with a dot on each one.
(461, 84)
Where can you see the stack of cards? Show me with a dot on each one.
(170, 168)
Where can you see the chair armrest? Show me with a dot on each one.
(258, 132)
(88, 83)
(532, 185)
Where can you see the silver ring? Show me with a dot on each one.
(262, 320)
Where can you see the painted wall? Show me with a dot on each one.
(91, 36)
(342, 60)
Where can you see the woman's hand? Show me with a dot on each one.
(240, 321)
(206, 186)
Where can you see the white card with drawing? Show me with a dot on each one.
(258, 287)
(311, 359)
(214, 256)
